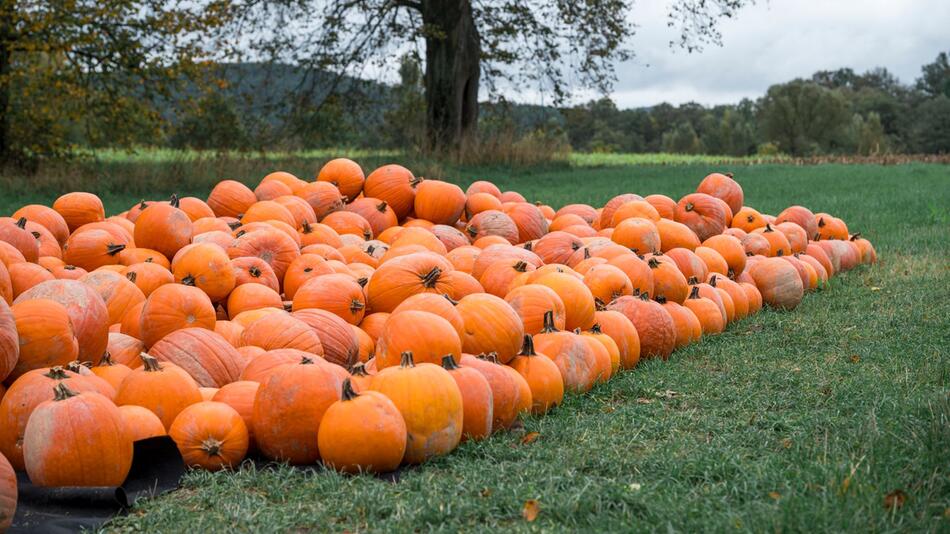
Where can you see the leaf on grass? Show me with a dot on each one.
(644, 400)
(787, 443)
(668, 394)
(486, 492)
(875, 288)
(634, 486)
(894, 499)
(855, 358)
(775, 495)
(796, 369)
(530, 510)
(845, 484)
(530, 438)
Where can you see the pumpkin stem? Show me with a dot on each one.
(780, 253)
(149, 260)
(415, 180)
(821, 222)
(653, 263)
(69, 267)
(548, 325)
(856, 236)
(729, 174)
(450, 299)
(472, 231)
(367, 235)
(142, 204)
(448, 363)
(489, 357)
(599, 304)
(131, 276)
(76, 366)
(188, 280)
(21, 222)
(150, 364)
(348, 392)
(431, 278)
(288, 306)
(382, 206)
(575, 245)
(112, 250)
(358, 369)
(356, 306)
(36, 235)
(212, 446)
(645, 295)
(255, 272)
(689, 206)
(371, 249)
(586, 253)
(528, 245)
(61, 392)
(661, 299)
(306, 360)
(174, 201)
(106, 360)
(596, 329)
(692, 281)
(56, 373)
(405, 359)
(694, 293)
(768, 228)
(362, 281)
(527, 347)
(307, 228)
(521, 266)
(235, 225)
(712, 281)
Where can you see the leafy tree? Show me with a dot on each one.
(682, 140)
(932, 127)
(212, 122)
(538, 45)
(405, 122)
(802, 117)
(935, 77)
(98, 64)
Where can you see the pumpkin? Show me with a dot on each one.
(531, 302)
(78, 209)
(163, 388)
(637, 270)
(15, 233)
(724, 187)
(125, 349)
(607, 213)
(428, 336)
(674, 234)
(702, 213)
(638, 234)
(731, 250)
(713, 261)
(779, 282)
(48, 218)
(116, 291)
(376, 212)
(25, 276)
(163, 227)
(483, 186)
(203, 354)
(636, 209)
(607, 282)
(271, 190)
(505, 392)
(829, 228)
(264, 364)
(528, 219)
(866, 252)
(736, 294)
(668, 281)
(282, 331)
(747, 219)
(374, 323)
(623, 333)
(247, 297)
(542, 376)
(400, 278)
(478, 202)
(276, 248)
(571, 354)
(477, 399)
(556, 247)
(148, 276)
(76, 439)
(240, 396)
(46, 335)
(206, 267)
(345, 174)
(9, 341)
(91, 249)
(754, 296)
(231, 199)
(756, 244)
(210, 435)
(195, 208)
(367, 344)
(113, 373)
(654, 325)
(337, 293)
(778, 243)
(8, 494)
(687, 326)
(174, 307)
(491, 325)
(492, 223)
(254, 270)
(395, 185)
(708, 312)
(578, 300)
(25, 394)
(503, 253)
(6, 285)
(337, 337)
(430, 403)
(439, 202)
(140, 423)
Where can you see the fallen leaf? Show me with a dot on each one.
(787, 443)
(796, 369)
(875, 288)
(530, 510)
(775, 495)
(946, 512)
(644, 400)
(855, 358)
(668, 394)
(894, 499)
(845, 484)
(634, 486)
(486, 492)
(530, 438)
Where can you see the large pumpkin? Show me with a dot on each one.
(174, 307)
(206, 267)
(162, 226)
(439, 202)
(117, 292)
(400, 278)
(654, 325)
(428, 336)
(722, 186)
(362, 432)
(345, 174)
(76, 439)
(46, 336)
(87, 311)
(430, 403)
(702, 213)
(289, 408)
(531, 302)
(282, 331)
(202, 353)
(505, 389)
(491, 325)
(337, 337)
(339, 294)
(163, 388)
(395, 185)
(78, 209)
(210, 435)
(779, 282)
(570, 353)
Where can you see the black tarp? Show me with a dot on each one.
(157, 467)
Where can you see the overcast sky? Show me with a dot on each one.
(776, 41)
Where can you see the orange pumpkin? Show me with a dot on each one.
(578, 300)
(675, 234)
(505, 390)
(25, 276)
(491, 325)
(708, 312)
(203, 354)
(247, 297)
(163, 227)
(140, 423)
(687, 326)
(88, 314)
(724, 187)
(113, 373)
(492, 223)
(206, 267)
(210, 435)
(336, 293)
(276, 248)
(173, 307)
(15, 233)
(531, 302)
(48, 218)
(46, 335)
(477, 399)
(428, 336)
(345, 174)
(702, 213)
(748, 219)
(529, 220)
(9, 341)
(395, 185)
(668, 281)
(572, 355)
(654, 325)
(779, 282)
(282, 331)
(476, 203)
(439, 202)
(231, 199)
(400, 278)
(542, 376)
(163, 388)
(778, 243)
(78, 209)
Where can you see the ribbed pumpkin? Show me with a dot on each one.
(86, 310)
(125, 349)
(148, 276)
(635, 209)
(254, 270)
(282, 331)
(529, 220)
(312, 234)
(675, 234)
(337, 337)
(400, 278)
(687, 326)
(556, 247)
(24, 395)
(477, 399)
(362, 432)
(702, 213)
(491, 325)
(578, 300)
(91, 249)
(723, 186)
(740, 300)
(395, 185)
(202, 353)
(689, 263)
(46, 336)
(439, 202)
(15, 233)
(9, 341)
(345, 174)
(797, 238)
(25, 276)
(116, 291)
(276, 248)
(430, 403)
(778, 243)
(210, 435)
(624, 334)
(76, 439)
(571, 354)
(206, 267)
(78, 209)
(476, 203)
(289, 408)
(779, 282)
(46, 216)
(668, 281)
(162, 226)
(542, 376)
(492, 223)
(336, 293)
(140, 423)
(174, 307)
(654, 325)
(428, 336)
(113, 373)
(730, 248)
(263, 365)
(708, 312)
(505, 391)
(163, 388)
(531, 302)
(247, 297)
(231, 199)
(754, 296)
(8, 494)
(376, 212)
(240, 396)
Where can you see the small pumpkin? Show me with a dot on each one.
(174, 307)
(477, 399)
(140, 423)
(571, 354)
(206, 267)
(345, 174)
(491, 325)
(163, 388)
(210, 435)
(542, 375)
(654, 325)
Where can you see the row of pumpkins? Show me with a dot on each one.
(365, 322)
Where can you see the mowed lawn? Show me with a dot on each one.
(834, 416)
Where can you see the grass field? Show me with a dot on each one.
(799, 421)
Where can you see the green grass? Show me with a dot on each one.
(797, 421)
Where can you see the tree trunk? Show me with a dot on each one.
(453, 60)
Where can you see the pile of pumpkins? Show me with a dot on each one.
(362, 321)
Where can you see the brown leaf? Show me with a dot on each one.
(644, 400)
(486, 492)
(855, 358)
(845, 484)
(787, 443)
(530, 438)
(894, 499)
(775, 495)
(530, 510)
